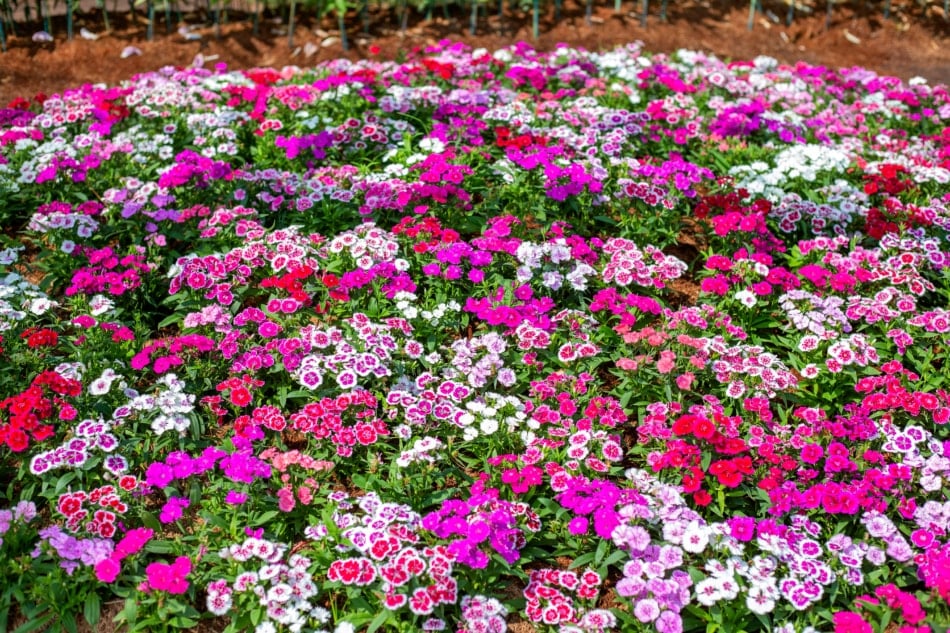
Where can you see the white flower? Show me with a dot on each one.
(707, 592)
(100, 304)
(39, 305)
(9, 255)
(433, 145)
(344, 627)
(488, 426)
(746, 298)
(695, 537)
(99, 387)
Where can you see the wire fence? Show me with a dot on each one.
(17, 16)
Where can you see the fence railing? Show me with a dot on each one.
(19, 16)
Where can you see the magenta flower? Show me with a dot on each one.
(172, 509)
(159, 475)
(171, 578)
(851, 622)
(132, 542)
(578, 525)
(235, 498)
(107, 570)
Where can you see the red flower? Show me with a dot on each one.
(704, 429)
(17, 440)
(241, 396)
(684, 425)
(41, 338)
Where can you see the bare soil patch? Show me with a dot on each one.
(912, 41)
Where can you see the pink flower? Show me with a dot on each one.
(132, 542)
(666, 363)
(627, 364)
(171, 578)
(285, 499)
(107, 570)
(851, 622)
(684, 381)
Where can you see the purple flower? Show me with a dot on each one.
(95, 550)
(6, 518)
(669, 622)
(159, 475)
(235, 498)
(172, 509)
(646, 610)
(578, 525)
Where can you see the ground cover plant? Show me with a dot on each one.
(478, 340)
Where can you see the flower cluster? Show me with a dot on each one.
(657, 340)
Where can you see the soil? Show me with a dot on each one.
(914, 40)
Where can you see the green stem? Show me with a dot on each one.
(473, 20)
(644, 10)
(290, 22)
(663, 7)
(588, 12)
(69, 20)
(150, 29)
(10, 20)
(341, 20)
(44, 11)
(3, 37)
(751, 14)
(535, 10)
(168, 17)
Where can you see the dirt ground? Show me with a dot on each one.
(914, 40)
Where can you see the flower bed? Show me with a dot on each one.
(577, 341)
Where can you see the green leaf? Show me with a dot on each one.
(378, 621)
(151, 521)
(265, 518)
(38, 624)
(169, 320)
(582, 560)
(91, 609)
(182, 622)
(159, 547)
(615, 557)
(600, 553)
